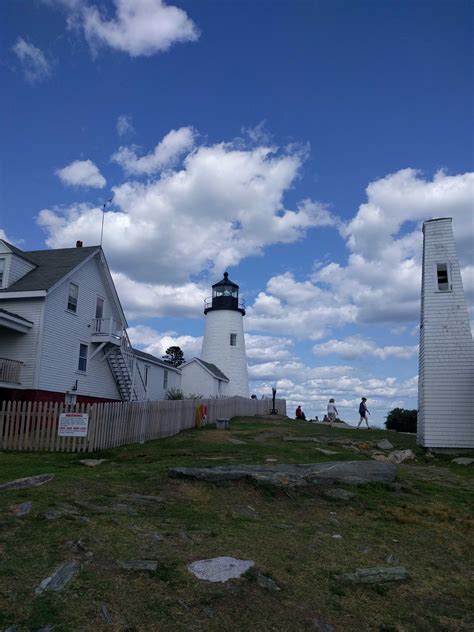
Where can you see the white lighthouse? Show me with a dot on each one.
(446, 368)
(223, 344)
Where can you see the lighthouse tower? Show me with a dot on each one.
(223, 344)
(446, 368)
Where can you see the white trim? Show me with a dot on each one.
(25, 294)
(13, 322)
(39, 354)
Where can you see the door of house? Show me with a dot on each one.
(99, 307)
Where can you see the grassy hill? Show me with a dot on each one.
(300, 539)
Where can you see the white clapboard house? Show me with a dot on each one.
(63, 332)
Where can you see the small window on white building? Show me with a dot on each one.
(165, 379)
(442, 274)
(83, 353)
(72, 297)
(2, 271)
(233, 340)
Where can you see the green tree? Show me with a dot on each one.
(174, 393)
(401, 420)
(174, 356)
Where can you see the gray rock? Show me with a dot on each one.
(399, 456)
(139, 565)
(327, 452)
(105, 614)
(340, 441)
(322, 626)
(92, 462)
(461, 460)
(219, 569)
(29, 481)
(267, 582)
(61, 511)
(61, 576)
(338, 494)
(380, 457)
(376, 575)
(46, 628)
(391, 559)
(361, 548)
(299, 475)
(384, 445)
(245, 511)
(11, 628)
(142, 498)
(267, 436)
(302, 439)
(236, 441)
(22, 509)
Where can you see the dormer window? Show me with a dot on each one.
(2, 271)
(442, 276)
(72, 298)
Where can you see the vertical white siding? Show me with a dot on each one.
(216, 349)
(23, 347)
(446, 360)
(64, 331)
(196, 380)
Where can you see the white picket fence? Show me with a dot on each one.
(34, 425)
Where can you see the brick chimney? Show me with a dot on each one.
(78, 244)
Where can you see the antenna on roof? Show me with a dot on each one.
(106, 203)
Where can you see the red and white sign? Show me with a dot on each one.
(73, 425)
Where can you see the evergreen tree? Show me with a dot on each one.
(174, 356)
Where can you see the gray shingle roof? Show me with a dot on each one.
(214, 370)
(154, 359)
(51, 266)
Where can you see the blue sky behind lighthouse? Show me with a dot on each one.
(299, 145)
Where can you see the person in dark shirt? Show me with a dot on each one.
(363, 412)
(299, 414)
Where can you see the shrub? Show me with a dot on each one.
(174, 393)
(401, 420)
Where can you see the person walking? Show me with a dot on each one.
(332, 412)
(363, 412)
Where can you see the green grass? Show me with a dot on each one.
(426, 524)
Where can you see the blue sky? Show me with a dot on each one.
(298, 144)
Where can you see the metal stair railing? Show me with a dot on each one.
(126, 371)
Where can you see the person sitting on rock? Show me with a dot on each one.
(299, 414)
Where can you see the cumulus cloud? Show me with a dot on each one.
(156, 343)
(139, 27)
(174, 144)
(355, 347)
(82, 173)
(221, 204)
(381, 281)
(124, 125)
(36, 67)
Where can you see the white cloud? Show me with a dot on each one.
(82, 173)
(156, 343)
(218, 206)
(355, 347)
(174, 144)
(36, 67)
(139, 27)
(381, 281)
(124, 125)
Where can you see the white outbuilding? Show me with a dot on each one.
(446, 359)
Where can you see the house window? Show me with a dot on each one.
(2, 271)
(442, 277)
(165, 379)
(233, 340)
(99, 307)
(72, 297)
(83, 352)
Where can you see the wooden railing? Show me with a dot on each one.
(107, 327)
(10, 371)
(34, 425)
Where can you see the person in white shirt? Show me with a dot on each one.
(332, 412)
